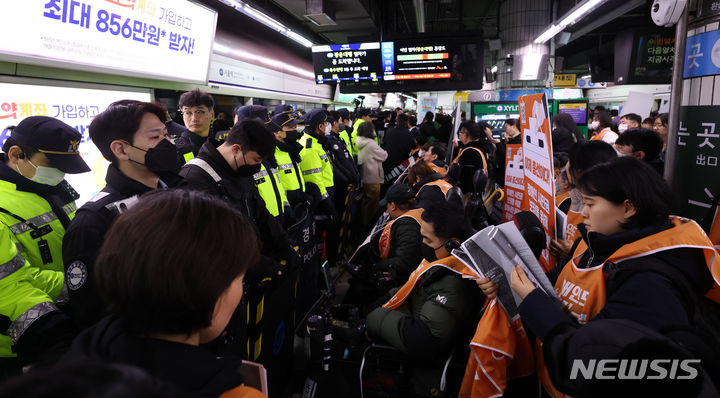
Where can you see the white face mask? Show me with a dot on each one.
(45, 175)
(594, 125)
(300, 128)
(328, 129)
(622, 127)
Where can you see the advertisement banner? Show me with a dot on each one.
(74, 106)
(538, 166)
(165, 39)
(514, 182)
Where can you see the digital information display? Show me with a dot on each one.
(347, 62)
(421, 64)
(403, 61)
(578, 111)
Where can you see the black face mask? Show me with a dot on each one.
(246, 170)
(428, 253)
(291, 136)
(162, 158)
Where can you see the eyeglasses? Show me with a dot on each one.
(196, 113)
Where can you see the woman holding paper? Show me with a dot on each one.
(635, 262)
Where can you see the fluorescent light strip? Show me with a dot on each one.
(267, 61)
(548, 34)
(267, 21)
(568, 19)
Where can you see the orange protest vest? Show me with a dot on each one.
(559, 199)
(243, 392)
(387, 231)
(457, 158)
(583, 292)
(442, 184)
(599, 136)
(499, 351)
(438, 169)
(451, 263)
(573, 220)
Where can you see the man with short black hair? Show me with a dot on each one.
(225, 171)
(435, 157)
(197, 110)
(629, 121)
(36, 206)
(131, 135)
(643, 144)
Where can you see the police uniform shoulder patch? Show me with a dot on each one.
(308, 143)
(76, 275)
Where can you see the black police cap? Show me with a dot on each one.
(54, 138)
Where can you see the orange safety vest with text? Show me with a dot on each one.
(499, 351)
(482, 154)
(583, 292)
(387, 231)
(451, 263)
(572, 232)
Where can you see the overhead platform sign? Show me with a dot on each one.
(161, 39)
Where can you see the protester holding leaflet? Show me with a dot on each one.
(644, 265)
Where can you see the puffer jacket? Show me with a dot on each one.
(441, 310)
(371, 158)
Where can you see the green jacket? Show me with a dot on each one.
(29, 283)
(405, 244)
(442, 302)
(273, 194)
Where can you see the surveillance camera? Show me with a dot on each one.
(362, 97)
(667, 12)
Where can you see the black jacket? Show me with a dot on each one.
(345, 170)
(398, 142)
(85, 235)
(188, 142)
(471, 161)
(241, 193)
(175, 129)
(645, 297)
(428, 195)
(191, 369)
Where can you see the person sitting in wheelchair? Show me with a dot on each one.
(392, 254)
(436, 308)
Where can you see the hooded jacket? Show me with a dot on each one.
(192, 369)
(371, 158)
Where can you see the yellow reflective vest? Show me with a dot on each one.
(315, 165)
(31, 261)
(271, 190)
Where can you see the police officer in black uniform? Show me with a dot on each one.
(225, 170)
(132, 136)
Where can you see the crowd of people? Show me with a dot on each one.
(204, 248)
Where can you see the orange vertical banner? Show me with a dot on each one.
(514, 182)
(538, 168)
